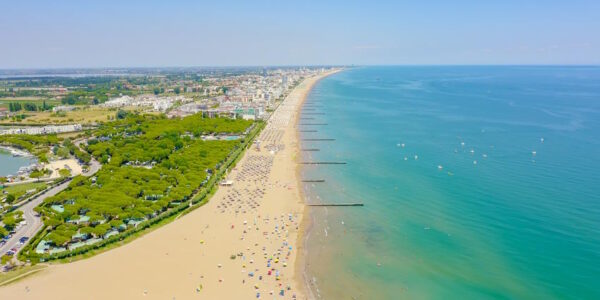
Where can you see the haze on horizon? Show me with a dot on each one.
(71, 34)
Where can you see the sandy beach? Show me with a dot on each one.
(243, 244)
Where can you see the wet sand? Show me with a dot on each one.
(240, 245)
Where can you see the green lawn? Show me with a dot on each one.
(20, 189)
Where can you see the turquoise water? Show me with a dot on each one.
(232, 137)
(513, 213)
(9, 165)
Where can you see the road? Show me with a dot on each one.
(94, 167)
(34, 222)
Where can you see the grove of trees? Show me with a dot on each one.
(149, 163)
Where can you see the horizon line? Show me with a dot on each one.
(299, 66)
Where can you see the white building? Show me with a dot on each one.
(50, 129)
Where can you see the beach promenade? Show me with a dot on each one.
(241, 245)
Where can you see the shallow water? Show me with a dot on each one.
(514, 212)
(9, 165)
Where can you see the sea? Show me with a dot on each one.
(478, 182)
(9, 165)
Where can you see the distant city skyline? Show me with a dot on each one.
(70, 34)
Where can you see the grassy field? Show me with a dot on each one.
(84, 115)
(70, 135)
(20, 189)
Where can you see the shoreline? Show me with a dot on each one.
(19, 154)
(306, 223)
(216, 252)
(15, 152)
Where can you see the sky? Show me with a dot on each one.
(179, 33)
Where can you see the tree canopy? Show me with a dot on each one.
(149, 163)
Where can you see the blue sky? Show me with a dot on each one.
(53, 34)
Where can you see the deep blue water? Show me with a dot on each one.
(513, 213)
